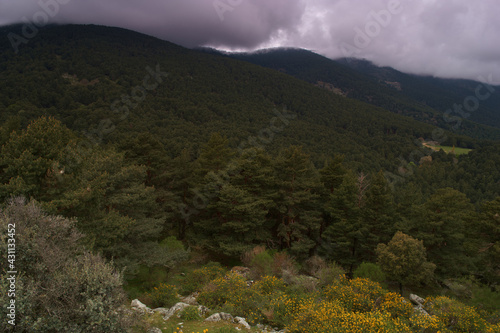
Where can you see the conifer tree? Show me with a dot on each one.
(342, 238)
(298, 214)
(442, 228)
(378, 214)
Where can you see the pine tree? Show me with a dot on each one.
(341, 239)
(35, 162)
(214, 156)
(298, 214)
(333, 173)
(488, 241)
(378, 214)
(442, 229)
(237, 217)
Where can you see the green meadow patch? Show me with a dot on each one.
(454, 150)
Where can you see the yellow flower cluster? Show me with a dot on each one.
(331, 316)
(394, 304)
(457, 316)
(269, 284)
(357, 295)
(357, 306)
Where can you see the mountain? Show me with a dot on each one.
(84, 75)
(423, 98)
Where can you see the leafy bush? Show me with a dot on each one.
(197, 278)
(283, 262)
(248, 256)
(370, 271)
(64, 288)
(456, 316)
(163, 296)
(190, 313)
(230, 289)
(261, 264)
(328, 274)
(269, 285)
(314, 265)
(283, 306)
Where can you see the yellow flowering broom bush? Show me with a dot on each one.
(269, 285)
(345, 306)
(458, 317)
(358, 295)
(333, 317)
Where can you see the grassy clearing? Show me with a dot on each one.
(456, 150)
(177, 325)
(447, 149)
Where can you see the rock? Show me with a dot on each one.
(242, 321)
(138, 304)
(215, 317)
(226, 316)
(417, 300)
(420, 309)
(140, 307)
(203, 310)
(154, 330)
(220, 316)
(176, 308)
(243, 271)
(191, 299)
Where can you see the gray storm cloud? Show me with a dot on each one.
(453, 38)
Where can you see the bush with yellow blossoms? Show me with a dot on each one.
(358, 295)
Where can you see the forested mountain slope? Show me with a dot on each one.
(85, 74)
(424, 98)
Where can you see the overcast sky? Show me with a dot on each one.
(446, 38)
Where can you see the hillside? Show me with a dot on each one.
(75, 73)
(423, 98)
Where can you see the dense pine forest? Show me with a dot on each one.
(135, 168)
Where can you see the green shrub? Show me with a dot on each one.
(231, 294)
(329, 274)
(196, 279)
(370, 271)
(190, 313)
(283, 262)
(269, 285)
(229, 289)
(172, 244)
(163, 296)
(314, 265)
(262, 264)
(455, 315)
